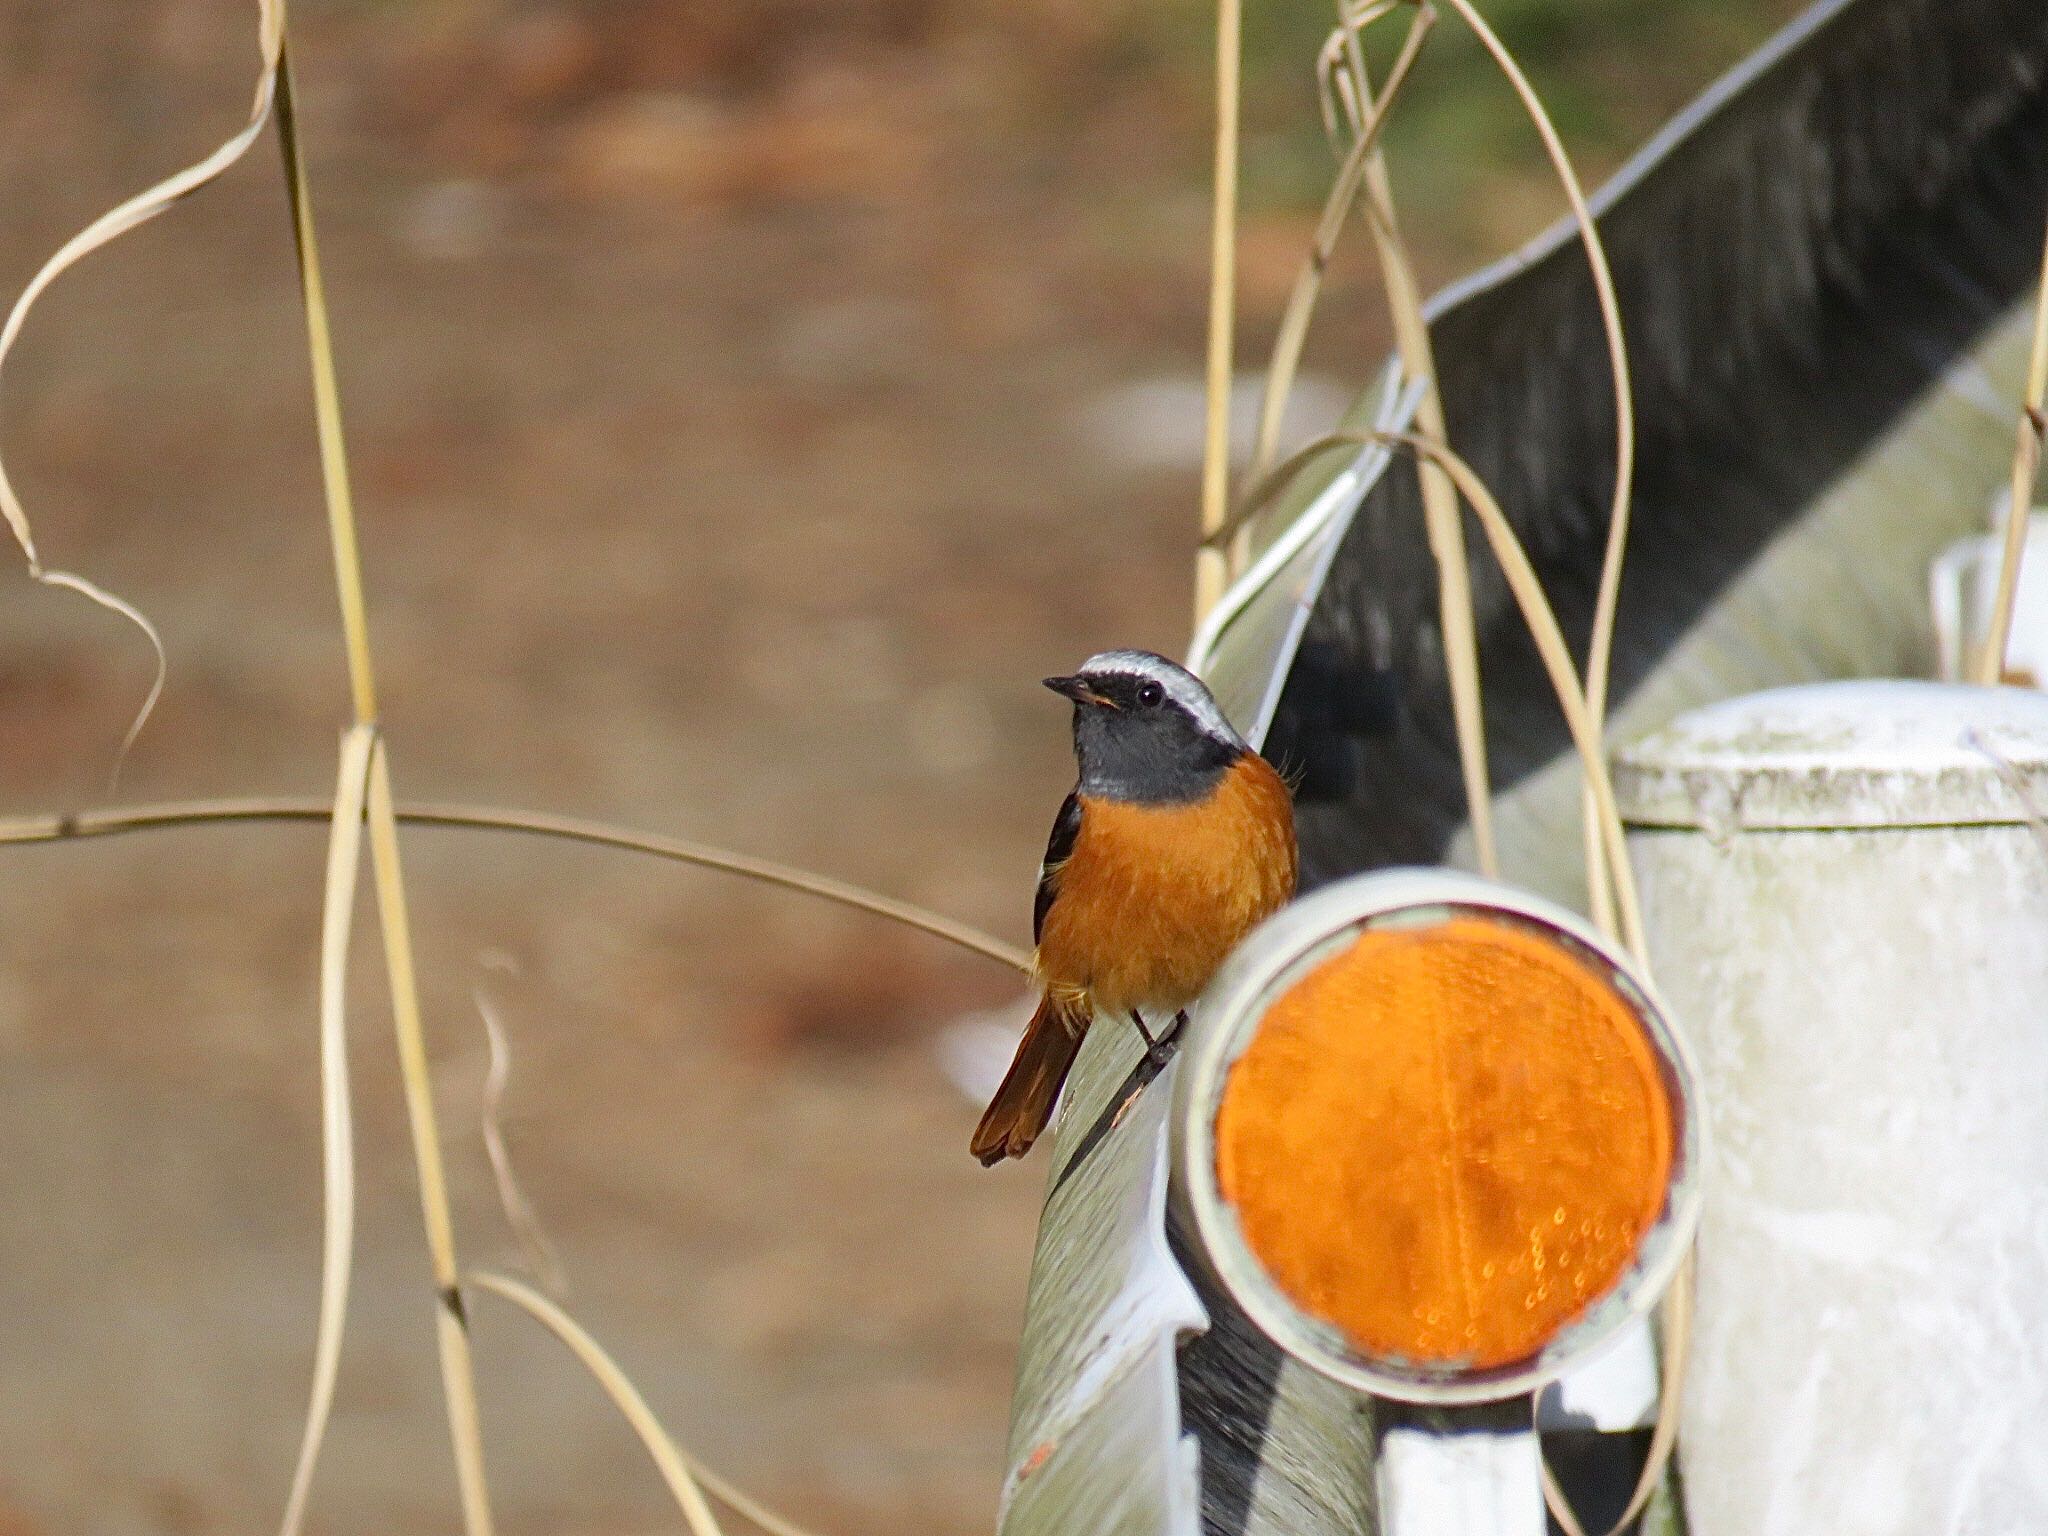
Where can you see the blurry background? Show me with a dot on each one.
(750, 401)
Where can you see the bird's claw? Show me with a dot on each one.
(1159, 1048)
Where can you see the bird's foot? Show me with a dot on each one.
(1158, 1048)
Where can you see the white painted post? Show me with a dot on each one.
(1463, 1472)
(1848, 904)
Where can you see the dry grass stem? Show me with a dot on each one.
(542, 1257)
(1676, 1317)
(1554, 1499)
(1292, 335)
(742, 1503)
(1537, 614)
(687, 1477)
(1600, 650)
(337, 1140)
(1364, 167)
(1212, 564)
(2026, 467)
(110, 226)
(668, 1459)
(1541, 621)
(450, 1322)
(61, 826)
(333, 441)
(1439, 500)
(1333, 71)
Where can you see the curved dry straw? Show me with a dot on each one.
(1366, 124)
(1212, 565)
(1363, 168)
(1412, 340)
(60, 826)
(1600, 649)
(1606, 845)
(542, 1257)
(451, 1324)
(1350, 85)
(682, 1473)
(1541, 621)
(1600, 652)
(1446, 533)
(2026, 466)
(1549, 640)
(1527, 591)
(1367, 111)
(337, 1136)
(687, 1478)
(109, 226)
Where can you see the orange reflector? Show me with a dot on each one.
(1447, 1142)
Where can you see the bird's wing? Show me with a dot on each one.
(1065, 828)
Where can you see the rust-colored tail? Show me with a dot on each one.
(1024, 1103)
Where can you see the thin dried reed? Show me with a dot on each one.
(2026, 468)
(1212, 564)
(688, 1479)
(1446, 533)
(450, 1321)
(111, 821)
(337, 1136)
(111, 225)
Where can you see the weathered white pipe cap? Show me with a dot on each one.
(1845, 890)
(1282, 954)
(1831, 756)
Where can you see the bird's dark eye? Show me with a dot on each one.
(1151, 695)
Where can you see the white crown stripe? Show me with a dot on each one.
(1181, 685)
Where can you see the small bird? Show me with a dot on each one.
(1177, 840)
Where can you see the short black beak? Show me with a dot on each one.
(1077, 689)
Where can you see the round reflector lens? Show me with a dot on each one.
(1436, 1136)
(1447, 1142)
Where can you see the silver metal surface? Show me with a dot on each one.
(1111, 1388)
(1842, 593)
(1095, 1442)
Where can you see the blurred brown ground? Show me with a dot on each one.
(718, 377)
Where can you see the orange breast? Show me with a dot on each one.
(1153, 898)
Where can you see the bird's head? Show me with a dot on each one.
(1146, 730)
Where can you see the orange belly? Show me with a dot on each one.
(1152, 898)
